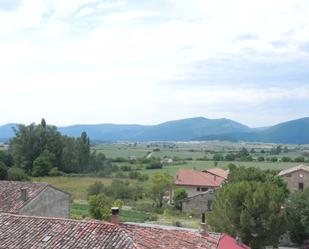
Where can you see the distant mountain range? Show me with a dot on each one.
(294, 132)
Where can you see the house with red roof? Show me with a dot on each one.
(195, 182)
(32, 232)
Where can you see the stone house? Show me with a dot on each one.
(296, 177)
(198, 204)
(35, 199)
(196, 182)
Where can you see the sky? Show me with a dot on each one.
(146, 62)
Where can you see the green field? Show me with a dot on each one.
(77, 186)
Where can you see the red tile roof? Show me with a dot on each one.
(10, 194)
(189, 177)
(228, 242)
(218, 171)
(19, 232)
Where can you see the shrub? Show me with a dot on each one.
(179, 194)
(100, 207)
(154, 165)
(17, 174)
(125, 168)
(96, 188)
(3, 171)
(54, 172)
(261, 159)
(286, 159)
(299, 159)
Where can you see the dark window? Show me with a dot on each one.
(204, 189)
(198, 189)
(209, 205)
(301, 186)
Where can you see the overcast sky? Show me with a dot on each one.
(117, 61)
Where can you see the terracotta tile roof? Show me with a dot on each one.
(19, 232)
(218, 171)
(293, 169)
(10, 194)
(228, 242)
(189, 177)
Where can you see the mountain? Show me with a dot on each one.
(293, 132)
(6, 132)
(186, 129)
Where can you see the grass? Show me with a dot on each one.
(81, 210)
(201, 165)
(75, 185)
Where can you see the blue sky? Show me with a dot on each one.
(122, 61)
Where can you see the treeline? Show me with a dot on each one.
(41, 150)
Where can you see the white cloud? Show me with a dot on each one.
(85, 61)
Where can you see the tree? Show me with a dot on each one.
(96, 188)
(251, 210)
(3, 171)
(179, 194)
(298, 210)
(43, 164)
(218, 157)
(157, 187)
(100, 207)
(17, 174)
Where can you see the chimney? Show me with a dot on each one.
(115, 215)
(238, 241)
(23, 194)
(203, 226)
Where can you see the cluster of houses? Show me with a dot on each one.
(36, 215)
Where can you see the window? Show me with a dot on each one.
(301, 175)
(204, 189)
(301, 186)
(198, 189)
(209, 205)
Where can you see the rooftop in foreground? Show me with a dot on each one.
(31, 232)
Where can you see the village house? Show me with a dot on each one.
(59, 233)
(196, 182)
(37, 199)
(296, 177)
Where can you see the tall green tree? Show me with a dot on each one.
(158, 185)
(298, 209)
(251, 210)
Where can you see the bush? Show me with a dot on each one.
(218, 157)
(142, 177)
(261, 159)
(299, 159)
(154, 165)
(179, 194)
(3, 171)
(125, 168)
(100, 207)
(274, 159)
(119, 160)
(96, 188)
(17, 174)
(54, 172)
(286, 159)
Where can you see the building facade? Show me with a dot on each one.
(35, 199)
(296, 177)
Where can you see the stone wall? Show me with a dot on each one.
(49, 203)
(296, 178)
(199, 203)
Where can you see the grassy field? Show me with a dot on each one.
(201, 165)
(77, 186)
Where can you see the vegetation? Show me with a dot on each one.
(298, 210)
(250, 206)
(179, 194)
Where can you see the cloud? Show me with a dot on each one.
(89, 61)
